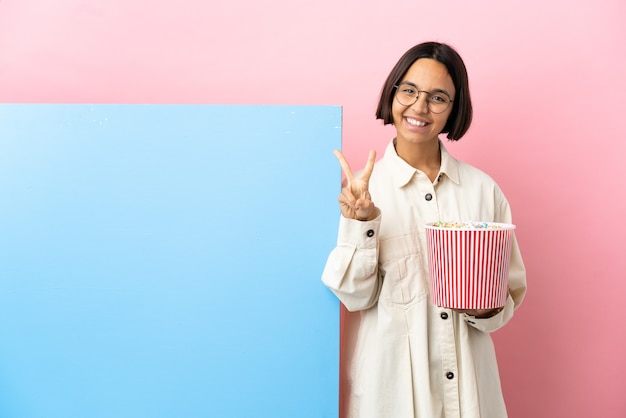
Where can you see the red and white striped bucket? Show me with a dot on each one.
(469, 263)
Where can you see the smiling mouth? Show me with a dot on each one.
(415, 122)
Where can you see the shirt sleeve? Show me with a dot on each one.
(351, 271)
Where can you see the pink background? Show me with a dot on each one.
(548, 85)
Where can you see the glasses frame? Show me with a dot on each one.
(417, 96)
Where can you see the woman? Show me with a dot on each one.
(405, 357)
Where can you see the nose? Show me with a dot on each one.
(421, 104)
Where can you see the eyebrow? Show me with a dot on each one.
(431, 92)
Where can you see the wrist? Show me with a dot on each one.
(490, 313)
(373, 214)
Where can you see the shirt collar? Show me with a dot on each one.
(402, 172)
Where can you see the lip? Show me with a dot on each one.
(419, 120)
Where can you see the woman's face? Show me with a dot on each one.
(417, 123)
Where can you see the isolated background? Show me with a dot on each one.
(548, 88)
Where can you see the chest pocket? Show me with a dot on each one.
(403, 263)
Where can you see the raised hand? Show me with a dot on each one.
(355, 201)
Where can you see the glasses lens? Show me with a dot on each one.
(406, 94)
(438, 102)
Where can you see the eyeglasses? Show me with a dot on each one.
(407, 95)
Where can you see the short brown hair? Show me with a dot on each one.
(461, 116)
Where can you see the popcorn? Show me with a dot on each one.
(467, 225)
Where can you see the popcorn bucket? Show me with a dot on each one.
(469, 263)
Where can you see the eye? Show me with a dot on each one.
(407, 90)
(439, 98)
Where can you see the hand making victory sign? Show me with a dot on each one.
(355, 200)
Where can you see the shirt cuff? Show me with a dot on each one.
(493, 322)
(361, 234)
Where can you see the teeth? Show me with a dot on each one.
(415, 122)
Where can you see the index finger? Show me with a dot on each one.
(369, 167)
(345, 167)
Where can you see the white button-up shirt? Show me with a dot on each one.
(403, 356)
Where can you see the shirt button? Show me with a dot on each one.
(450, 375)
(444, 315)
(428, 197)
(370, 233)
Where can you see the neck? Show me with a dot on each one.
(425, 157)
